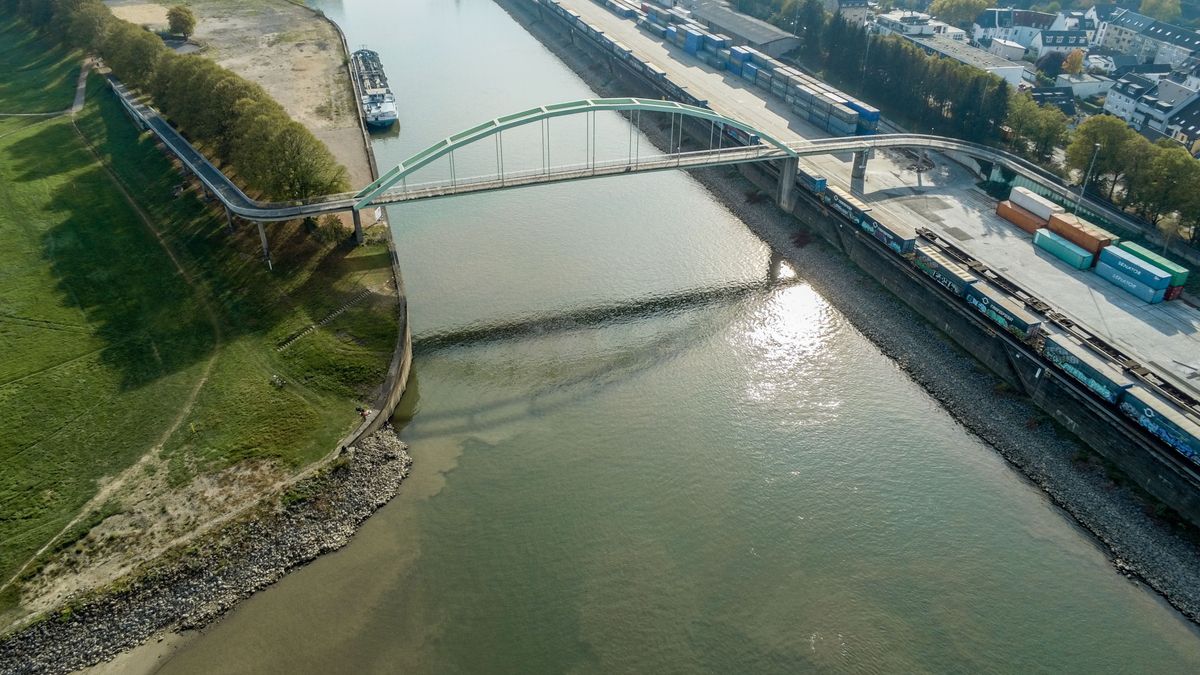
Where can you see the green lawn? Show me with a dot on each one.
(38, 74)
(104, 340)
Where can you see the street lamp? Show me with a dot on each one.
(1087, 179)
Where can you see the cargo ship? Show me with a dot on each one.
(378, 101)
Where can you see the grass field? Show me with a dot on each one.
(111, 347)
(39, 75)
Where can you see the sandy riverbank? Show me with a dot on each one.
(197, 585)
(290, 51)
(1143, 547)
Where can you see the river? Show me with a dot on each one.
(722, 475)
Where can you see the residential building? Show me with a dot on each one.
(1158, 106)
(857, 12)
(1059, 97)
(1121, 100)
(1184, 126)
(916, 24)
(1015, 25)
(1148, 40)
(1084, 85)
(941, 45)
(1007, 49)
(1060, 41)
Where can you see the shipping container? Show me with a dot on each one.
(946, 272)
(1132, 266)
(1019, 217)
(1179, 274)
(896, 236)
(655, 72)
(1080, 232)
(672, 33)
(1006, 313)
(1163, 420)
(763, 81)
(749, 72)
(1128, 284)
(812, 182)
(1036, 204)
(1173, 293)
(1062, 249)
(1095, 373)
(845, 203)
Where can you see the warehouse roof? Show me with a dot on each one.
(961, 51)
(748, 28)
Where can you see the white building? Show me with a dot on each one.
(1084, 85)
(1058, 41)
(1006, 49)
(1014, 25)
(915, 24)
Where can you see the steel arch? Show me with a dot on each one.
(491, 127)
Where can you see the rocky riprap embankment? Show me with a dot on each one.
(197, 585)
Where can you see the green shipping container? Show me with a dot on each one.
(1178, 274)
(1062, 249)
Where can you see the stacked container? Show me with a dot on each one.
(1037, 205)
(1179, 274)
(1133, 275)
(1061, 248)
(1019, 217)
(1080, 232)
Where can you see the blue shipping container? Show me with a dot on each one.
(812, 182)
(1093, 372)
(1157, 417)
(946, 272)
(890, 237)
(1128, 284)
(1002, 311)
(1132, 266)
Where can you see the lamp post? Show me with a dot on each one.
(1086, 179)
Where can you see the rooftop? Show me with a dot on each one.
(961, 51)
(1180, 37)
(1062, 98)
(1188, 119)
(1009, 17)
(748, 28)
(1130, 20)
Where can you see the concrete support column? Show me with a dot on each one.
(787, 183)
(262, 235)
(358, 231)
(859, 169)
(229, 220)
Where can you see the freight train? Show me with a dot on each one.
(1135, 399)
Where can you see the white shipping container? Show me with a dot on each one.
(1036, 204)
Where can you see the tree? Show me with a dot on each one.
(1073, 64)
(181, 21)
(1051, 63)
(1163, 10)
(1162, 183)
(1044, 127)
(958, 12)
(1112, 136)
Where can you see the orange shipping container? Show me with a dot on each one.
(1080, 232)
(1019, 217)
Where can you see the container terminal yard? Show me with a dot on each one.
(963, 244)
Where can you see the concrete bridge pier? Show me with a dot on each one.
(229, 220)
(858, 170)
(358, 231)
(262, 235)
(787, 183)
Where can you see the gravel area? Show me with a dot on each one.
(193, 587)
(1145, 548)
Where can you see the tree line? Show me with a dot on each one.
(1156, 181)
(233, 118)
